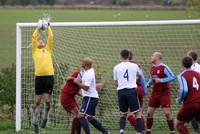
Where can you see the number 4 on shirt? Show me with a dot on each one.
(126, 76)
(195, 84)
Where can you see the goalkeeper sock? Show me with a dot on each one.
(171, 125)
(182, 129)
(97, 125)
(138, 124)
(131, 119)
(46, 111)
(36, 111)
(85, 125)
(122, 123)
(75, 126)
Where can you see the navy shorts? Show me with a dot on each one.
(128, 98)
(88, 106)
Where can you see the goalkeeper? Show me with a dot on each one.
(44, 72)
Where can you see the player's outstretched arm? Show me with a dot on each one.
(170, 75)
(34, 39)
(49, 39)
(183, 89)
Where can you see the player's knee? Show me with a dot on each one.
(123, 115)
(168, 115)
(149, 114)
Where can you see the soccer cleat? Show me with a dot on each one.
(121, 131)
(44, 123)
(36, 128)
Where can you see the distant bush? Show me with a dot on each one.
(7, 89)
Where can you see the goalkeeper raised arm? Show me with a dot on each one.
(44, 72)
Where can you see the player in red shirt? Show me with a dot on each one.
(141, 92)
(189, 94)
(67, 99)
(160, 76)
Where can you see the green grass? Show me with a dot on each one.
(9, 18)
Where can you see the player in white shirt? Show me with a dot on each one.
(196, 67)
(125, 75)
(90, 98)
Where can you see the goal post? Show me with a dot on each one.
(102, 41)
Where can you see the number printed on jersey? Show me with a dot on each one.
(195, 84)
(126, 76)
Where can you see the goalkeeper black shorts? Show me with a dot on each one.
(44, 84)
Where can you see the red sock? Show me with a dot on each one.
(76, 127)
(143, 123)
(131, 119)
(182, 129)
(149, 124)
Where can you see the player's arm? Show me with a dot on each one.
(49, 45)
(169, 74)
(34, 39)
(183, 89)
(150, 82)
(143, 82)
(115, 82)
(100, 85)
(85, 86)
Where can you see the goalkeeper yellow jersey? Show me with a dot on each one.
(43, 57)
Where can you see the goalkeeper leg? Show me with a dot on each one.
(46, 110)
(36, 111)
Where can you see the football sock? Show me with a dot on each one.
(171, 125)
(46, 111)
(97, 125)
(182, 129)
(131, 119)
(85, 125)
(195, 124)
(138, 123)
(143, 123)
(122, 123)
(36, 111)
(75, 126)
(149, 125)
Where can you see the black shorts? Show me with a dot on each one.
(89, 105)
(128, 98)
(44, 84)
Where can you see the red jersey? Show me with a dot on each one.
(193, 82)
(163, 72)
(70, 87)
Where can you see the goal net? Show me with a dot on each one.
(102, 41)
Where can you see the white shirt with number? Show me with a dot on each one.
(125, 73)
(89, 79)
(196, 67)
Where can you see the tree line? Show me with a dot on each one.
(97, 2)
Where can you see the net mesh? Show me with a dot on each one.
(103, 45)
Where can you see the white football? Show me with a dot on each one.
(42, 24)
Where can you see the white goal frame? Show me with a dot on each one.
(19, 27)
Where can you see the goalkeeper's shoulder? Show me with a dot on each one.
(50, 32)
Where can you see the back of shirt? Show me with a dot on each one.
(89, 80)
(196, 67)
(125, 73)
(193, 82)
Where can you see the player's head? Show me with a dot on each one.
(40, 44)
(130, 55)
(87, 63)
(193, 55)
(125, 54)
(156, 57)
(187, 62)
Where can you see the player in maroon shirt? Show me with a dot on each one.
(141, 92)
(160, 76)
(67, 99)
(189, 94)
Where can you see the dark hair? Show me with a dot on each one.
(130, 55)
(187, 62)
(124, 54)
(193, 55)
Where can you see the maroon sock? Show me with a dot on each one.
(131, 119)
(182, 129)
(171, 125)
(75, 126)
(143, 123)
(149, 124)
